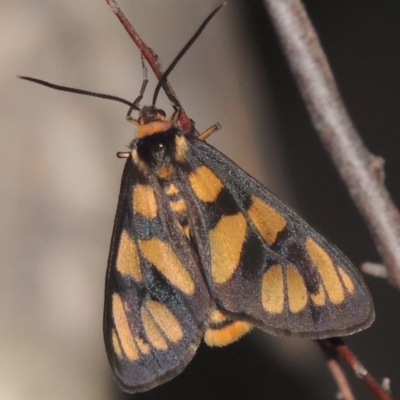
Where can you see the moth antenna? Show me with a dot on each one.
(162, 82)
(74, 90)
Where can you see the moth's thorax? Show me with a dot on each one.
(153, 128)
(159, 152)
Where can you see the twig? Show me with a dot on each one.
(360, 371)
(336, 371)
(361, 170)
(150, 56)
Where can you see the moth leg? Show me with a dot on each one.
(123, 154)
(175, 115)
(209, 131)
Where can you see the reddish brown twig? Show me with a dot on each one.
(361, 170)
(334, 346)
(336, 370)
(150, 56)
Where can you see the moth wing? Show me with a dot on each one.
(155, 298)
(262, 262)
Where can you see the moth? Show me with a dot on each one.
(200, 249)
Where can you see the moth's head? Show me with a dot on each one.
(148, 114)
(152, 120)
(159, 143)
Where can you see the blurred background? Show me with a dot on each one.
(60, 179)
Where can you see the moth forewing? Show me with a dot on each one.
(263, 261)
(156, 301)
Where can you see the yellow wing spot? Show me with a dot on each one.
(226, 242)
(178, 206)
(181, 146)
(144, 201)
(161, 255)
(115, 344)
(297, 291)
(327, 271)
(228, 334)
(166, 321)
(128, 262)
(123, 330)
(152, 332)
(319, 298)
(272, 290)
(266, 219)
(172, 190)
(205, 184)
(346, 280)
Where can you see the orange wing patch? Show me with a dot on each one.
(153, 334)
(123, 331)
(128, 262)
(172, 190)
(348, 283)
(144, 201)
(266, 219)
(166, 321)
(205, 184)
(115, 344)
(297, 291)
(273, 290)
(164, 172)
(226, 242)
(319, 298)
(161, 255)
(326, 270)
(178, 206)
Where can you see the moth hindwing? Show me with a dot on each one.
(201, 248)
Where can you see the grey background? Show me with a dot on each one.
(60, 178)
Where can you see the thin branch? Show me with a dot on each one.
(338, 345)
(336, 371)
(150, 56)
(361, 170)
